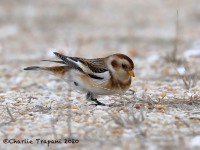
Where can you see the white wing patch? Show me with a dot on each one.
(81, 65)
(105, 75)
(84, 67)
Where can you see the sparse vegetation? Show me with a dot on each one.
(172, 57)
(161, 107)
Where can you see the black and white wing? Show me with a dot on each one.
(95, 68)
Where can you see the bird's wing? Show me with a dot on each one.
(89, 66)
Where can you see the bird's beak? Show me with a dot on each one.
(131, 73)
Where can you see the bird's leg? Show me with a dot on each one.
(90, 96)
(132, 91)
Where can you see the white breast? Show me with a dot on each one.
(87, 83)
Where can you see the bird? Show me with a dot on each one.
(99, 76)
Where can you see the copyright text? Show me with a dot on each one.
(41, 141)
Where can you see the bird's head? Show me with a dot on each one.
(121, 66)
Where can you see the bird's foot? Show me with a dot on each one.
(97, 102)
(90, 96)
(132, 91)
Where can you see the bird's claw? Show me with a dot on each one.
(97, 103)
(89, 96)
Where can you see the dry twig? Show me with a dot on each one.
(53, 128)
(172, 57)
(9, 113)
(12, 119)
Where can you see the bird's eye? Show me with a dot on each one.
(124, 66)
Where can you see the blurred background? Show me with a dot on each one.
(90, 28)
(166, 61)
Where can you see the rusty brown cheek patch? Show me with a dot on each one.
(114, 64)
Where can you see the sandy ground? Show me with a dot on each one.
(163, 113)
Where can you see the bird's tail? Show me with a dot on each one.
(34, 68)
(57, 70)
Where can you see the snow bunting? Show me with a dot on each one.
(100, 76)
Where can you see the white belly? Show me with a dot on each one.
(87, 84)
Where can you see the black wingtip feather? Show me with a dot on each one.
(60, 62)
(59, 55)
(56, 53)
(32, 68)
(71, 62)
